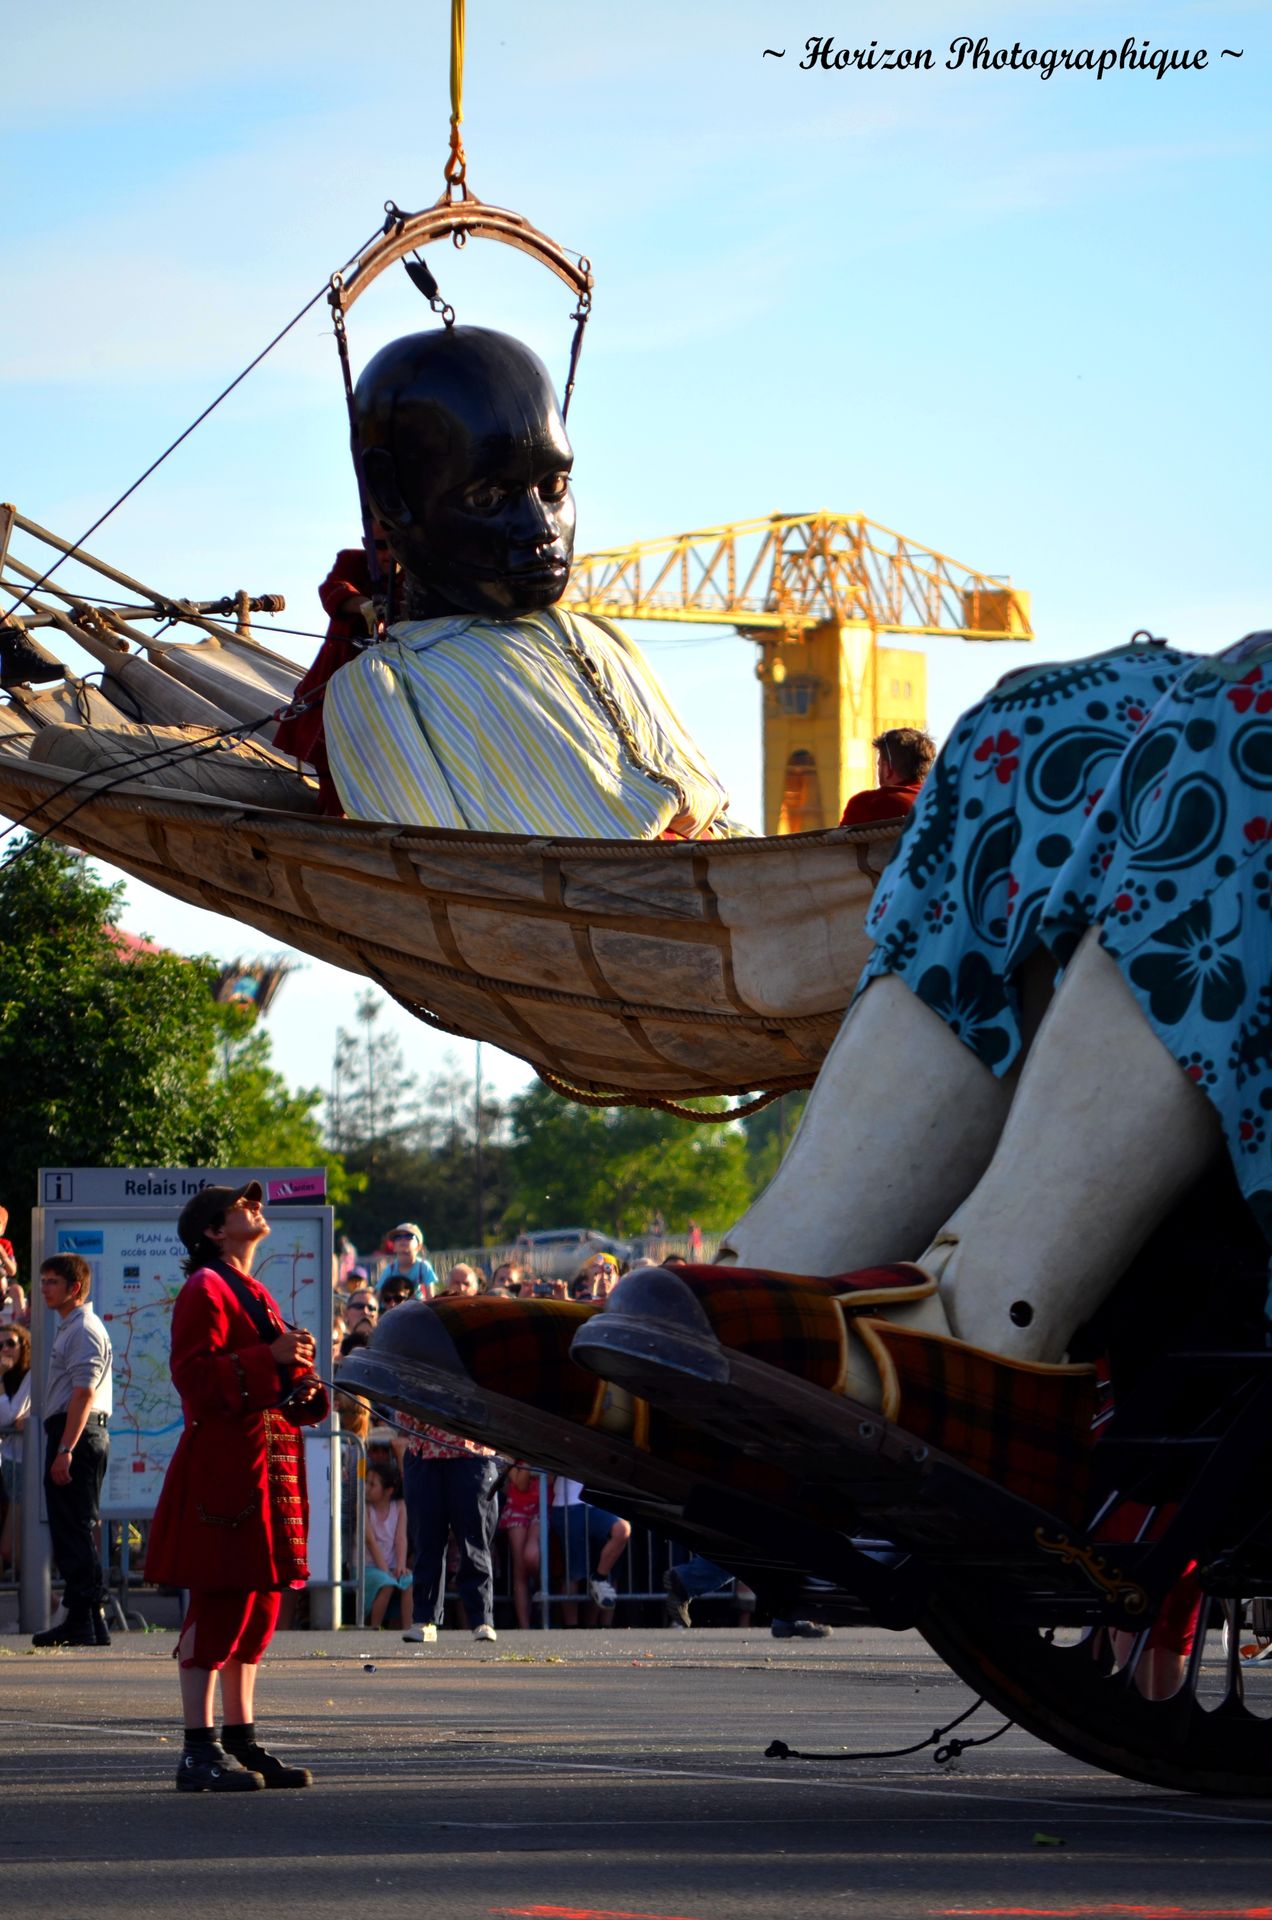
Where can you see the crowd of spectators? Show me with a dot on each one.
(440, 1512)
(15, 1395)
(417, 1549)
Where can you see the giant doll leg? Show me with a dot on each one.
(1104, 1134)
(901, 1124)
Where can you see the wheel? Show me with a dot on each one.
(1077, 1690)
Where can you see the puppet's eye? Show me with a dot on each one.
(485, 497)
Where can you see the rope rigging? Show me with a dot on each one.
(128, 492)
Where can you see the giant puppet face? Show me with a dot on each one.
(467, 466)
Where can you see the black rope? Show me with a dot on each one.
(384, 1419)
(198, 422)
(950, 1750)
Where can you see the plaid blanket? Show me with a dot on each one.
(521, 1348)
(1027, 1428)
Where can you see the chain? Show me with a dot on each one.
(589, 673)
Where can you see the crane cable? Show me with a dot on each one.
(456, 168)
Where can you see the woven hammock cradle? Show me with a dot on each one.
(635, 971)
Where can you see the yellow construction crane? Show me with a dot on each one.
(814, 591)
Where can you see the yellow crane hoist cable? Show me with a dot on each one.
(456, 164)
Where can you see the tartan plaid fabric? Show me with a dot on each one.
(1027, 1429)
(521, 1348)
(792, 1324)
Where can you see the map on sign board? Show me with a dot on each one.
(137, 1275)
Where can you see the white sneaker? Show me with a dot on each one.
(604, 1593)
(419, 1635)
(485, 1632)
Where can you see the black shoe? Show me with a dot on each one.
(74, 1631)
(101, 1632)
(273, 1772)
(676, 1605)
(24, 662)
(211, 1769)
(800, 1630)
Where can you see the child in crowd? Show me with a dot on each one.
(387, 1572)
(520, 1522)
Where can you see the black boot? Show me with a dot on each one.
(101, 1632)
(241, 1741)
(23, 661)
(75, 1631)
(207, 1768)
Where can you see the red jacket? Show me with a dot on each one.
(880, 803)
(233, 1512)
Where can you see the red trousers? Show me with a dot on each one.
(227, 1624)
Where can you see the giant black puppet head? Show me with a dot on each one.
(467, 467)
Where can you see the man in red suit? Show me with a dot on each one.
(232, 1518)
(904, 756)
(346, 597)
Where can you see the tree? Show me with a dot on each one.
(374, 1100)
(420, 1161)
(612, 1167)
(269, 1124)
(768, 1134)
(120, 1059)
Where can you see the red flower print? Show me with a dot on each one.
(1257, 830)
(1000, 752)
(1244, 696)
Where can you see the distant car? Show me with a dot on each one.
(559, 1253)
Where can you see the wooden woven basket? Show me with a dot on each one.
(634, 970)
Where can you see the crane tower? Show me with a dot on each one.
(814, 592)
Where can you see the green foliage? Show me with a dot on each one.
(267, 1123)
(613, 1167)
(437, 1188)
(121, 1061)
(768, 1134)
(413, 1147)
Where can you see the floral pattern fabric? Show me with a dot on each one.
(1133, 791)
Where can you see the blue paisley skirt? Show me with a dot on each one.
(1130, 791)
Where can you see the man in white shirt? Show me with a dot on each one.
(77, 1413)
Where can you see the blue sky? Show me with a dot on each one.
(1024, 322)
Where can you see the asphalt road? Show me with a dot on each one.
(583, 1776)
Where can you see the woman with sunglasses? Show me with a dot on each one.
(15, 1406)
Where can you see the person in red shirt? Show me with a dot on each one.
(232, 1518)
(905, 755)
(346, 599)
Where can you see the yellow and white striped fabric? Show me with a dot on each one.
(492, 726)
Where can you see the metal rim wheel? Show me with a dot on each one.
(1080, 1690)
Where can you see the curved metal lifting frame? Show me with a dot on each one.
(457, 219)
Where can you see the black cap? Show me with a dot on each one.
(209, 1204)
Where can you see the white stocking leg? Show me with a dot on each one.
(1104, 1135)
(899, 1127)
